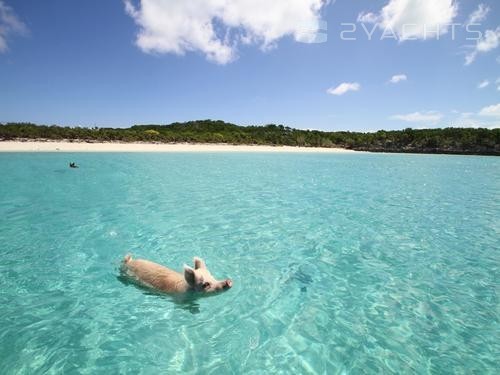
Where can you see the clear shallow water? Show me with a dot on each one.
(341, 263)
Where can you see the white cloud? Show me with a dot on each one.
(398, 78)
(488, 117)
(483, 84)
(471, 120)
(216, 27)
(414, 19)
(368, 18)
(9, 24)
(489, 41)
(343, 88)
(491, 111)
(479, 14)
(429, 117)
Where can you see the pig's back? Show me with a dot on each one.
(156, 276)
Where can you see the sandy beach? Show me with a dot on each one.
(62, 146)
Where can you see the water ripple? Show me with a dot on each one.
(341, 263)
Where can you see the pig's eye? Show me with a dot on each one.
(206, 285)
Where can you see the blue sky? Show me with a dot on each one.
(116, 63)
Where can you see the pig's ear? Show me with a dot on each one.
(189, 275)
(199, 263)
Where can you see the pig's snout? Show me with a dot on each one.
(228, 284)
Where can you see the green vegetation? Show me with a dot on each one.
(449, 140)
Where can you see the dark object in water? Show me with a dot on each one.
(299, 275)
(73, 165)
(302, 277)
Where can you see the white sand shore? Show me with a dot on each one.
(64, 146)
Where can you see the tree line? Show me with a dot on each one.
(447, 140)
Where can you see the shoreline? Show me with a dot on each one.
(79, 146)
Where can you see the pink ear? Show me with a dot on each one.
(189, 275)
(199, 263)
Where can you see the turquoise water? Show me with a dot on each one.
(348, 263)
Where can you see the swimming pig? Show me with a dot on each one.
(166, 280)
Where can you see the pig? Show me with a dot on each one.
(155, 276)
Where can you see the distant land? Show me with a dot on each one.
(467, 141)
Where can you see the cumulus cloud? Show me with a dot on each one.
(217, 27)
(491, 111)
(488, 117)
(473, 120)
(398, 78)
(478, 15)
(428, 116)
(344, 88)
(9, 24)
(414, 19)
(489, 41)
(368, 17)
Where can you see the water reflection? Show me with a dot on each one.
(184, 301)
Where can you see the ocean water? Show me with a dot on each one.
(341, 263)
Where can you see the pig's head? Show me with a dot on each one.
(201, 280)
